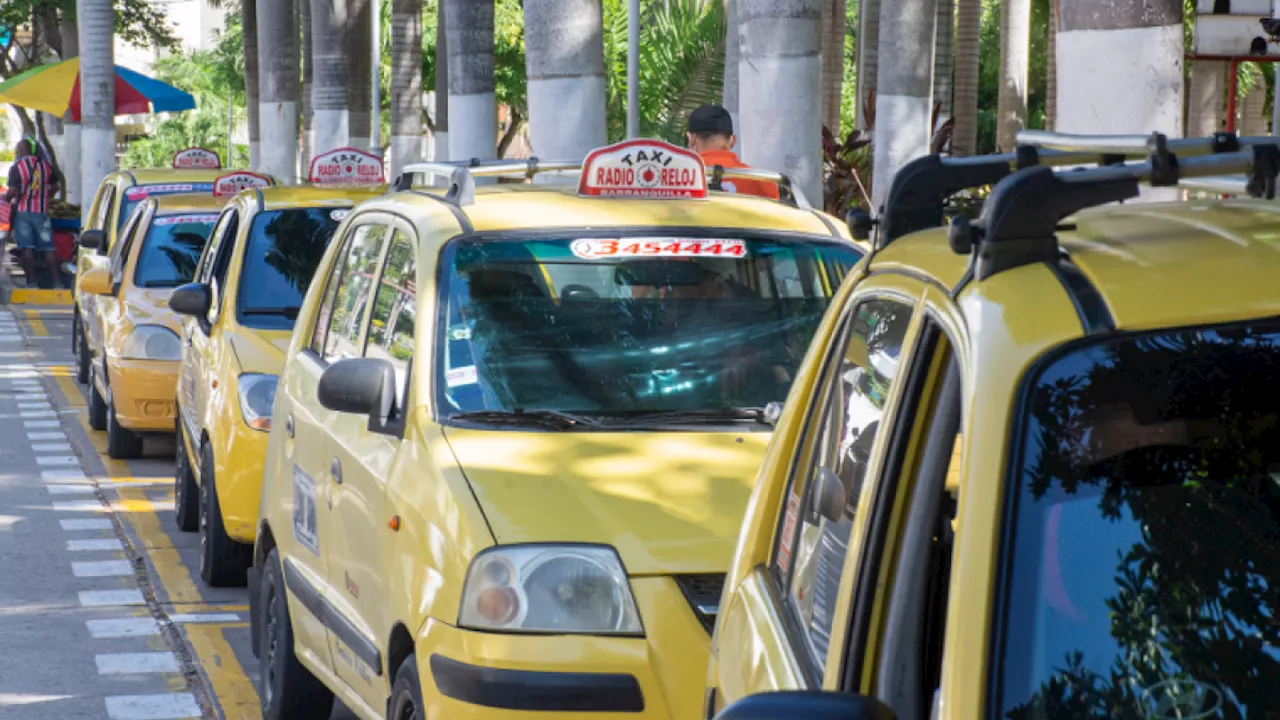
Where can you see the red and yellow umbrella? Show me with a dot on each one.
(55, 89)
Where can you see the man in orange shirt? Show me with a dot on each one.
(711, 136)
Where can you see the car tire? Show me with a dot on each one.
(223, 561)
(186, 494)
(406, 693)
(97, 405)
(122, 443)
(286, 688)
(82, 357)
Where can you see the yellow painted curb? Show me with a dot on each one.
(34, 296)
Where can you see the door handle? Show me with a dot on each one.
(335, 469)
(288, 425)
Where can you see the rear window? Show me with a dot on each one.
(171, 249)
(284, 248)
(1144, 574)
(134, 196)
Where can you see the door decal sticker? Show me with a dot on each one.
(304, 511)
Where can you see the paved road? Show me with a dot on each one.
(102, 613)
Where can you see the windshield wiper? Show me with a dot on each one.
(553, 419)
(163, 283)
(707, 416)
(289, 311)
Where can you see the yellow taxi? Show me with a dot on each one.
(112, 205)
(238, 313)
(515, 433)
(1030, 467)
(133, 344)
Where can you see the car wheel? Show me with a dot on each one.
(406, 693)
(186, 494)
(286, 688)
(122, 443)
(223, 561)
(97, 406)
(80, 341)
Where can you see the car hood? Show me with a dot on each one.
(669, 502)
(260, 351)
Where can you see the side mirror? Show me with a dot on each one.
(860, 223)
(92, 239)
(190, 299)
(829, 495)
(360, 386)
(807, 704)
(96, 282)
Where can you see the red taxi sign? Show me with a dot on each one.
(234, 182)
(643, 169)
(194, 158)
(346, 166)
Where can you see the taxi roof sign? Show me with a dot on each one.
(346, 166)
(196, 158)
(234, 182)
(643, 169)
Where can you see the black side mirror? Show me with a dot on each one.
(860, 223)
(92, 239)
(807, 704)
(360, 386)
(829, 495)
(190, 299)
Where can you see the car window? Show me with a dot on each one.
(171, 249)
(281, 255)
(120, 253)
(810, 553)
(108, 216)
(351, 297)
(205, 267)
(1144, 581)
(391, 323)
(138, 193)
(101, 207)
(220, 260)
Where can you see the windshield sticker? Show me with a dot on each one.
(339, 215)
(146, 191)
(461, 376)
(305, 528)
(459, 332)
(788, 531)
(598, 248)
(185, 220)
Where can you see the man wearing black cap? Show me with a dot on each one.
(711, 136)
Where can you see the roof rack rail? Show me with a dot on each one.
(462, 174)
(1020, 218)
(788, 192)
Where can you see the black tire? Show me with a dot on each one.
(223, 561)
(82, 356)
(186, 494)
(97, 406)
(406, 693)
(286, 688)
(122, 443)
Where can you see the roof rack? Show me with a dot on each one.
(1020, 218)
(788, 193)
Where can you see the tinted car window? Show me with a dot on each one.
(135, 195)
(171, 250)
(1144, 575)
(282, 253)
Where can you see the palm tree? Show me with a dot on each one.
(868, 61)
(904, 96)
(964, 139)
(1015, 51)
(564, 60)
(249, 24)
(96, 21)
(730, 94)
(1051, 70)
(308, 74)
(943, 57)
(70, 129)
(833, 14)
(441, 139)
(358, 46)
(329, 96)
(406, 83)
(279, 85)
(473, 106)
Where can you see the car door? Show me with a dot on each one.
(101, 217)
(108, 316)
(364, 459)
(197, 362)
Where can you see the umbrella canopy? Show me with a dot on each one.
(55, 89)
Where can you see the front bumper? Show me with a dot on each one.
(143, 392)
(472, 674)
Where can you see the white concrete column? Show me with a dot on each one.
(330, 98)
(564, 61)
(904, 90)
(473, 109)
(249, 18)
(1205, 97)
(279, 82)
(96, 20)
(1015, 69)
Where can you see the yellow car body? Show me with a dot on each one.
(393, 519)
(1142, 278)
(132, 389)
(223, 345)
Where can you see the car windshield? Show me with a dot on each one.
(1144, 577)
(284, 248)
(171, 249)
(631, 327)
(134, 196)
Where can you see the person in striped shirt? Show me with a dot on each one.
(31, 184)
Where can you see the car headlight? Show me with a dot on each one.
(257, 395)
(151, 342)
(549, 588)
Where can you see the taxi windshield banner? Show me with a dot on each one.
(203, 219)
(346, 166)
(142, 192)
(643, 169)
(195, 158)
(232, 183)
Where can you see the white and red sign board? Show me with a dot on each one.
(196, 159)
(207, 219)
(346, 166)
(643, 169)
(145, 191)
(605, 248)
(232, 183)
